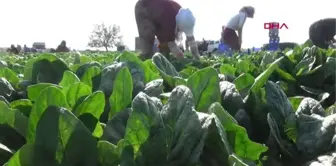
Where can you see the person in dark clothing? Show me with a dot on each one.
(322, 32)
(52, 50)
(25, 49)
(13, 49)
(18, 48)
(165, 19)
(203, 46)
(62, 47)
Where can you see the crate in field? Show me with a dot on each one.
(273, 34)
(39, 45)
(274, 30)
(274, 39)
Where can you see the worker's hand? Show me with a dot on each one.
(174, 49)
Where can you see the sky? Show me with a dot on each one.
(51, 21)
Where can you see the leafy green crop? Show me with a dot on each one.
(89, 109)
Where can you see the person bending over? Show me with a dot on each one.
(229, 35)
(165, 19)
(322, 32)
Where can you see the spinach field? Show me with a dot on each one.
(112, 109)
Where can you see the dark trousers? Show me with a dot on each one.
(230, 38)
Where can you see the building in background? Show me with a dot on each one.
(39, 45)
(274, 38)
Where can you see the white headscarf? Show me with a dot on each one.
(185, 21)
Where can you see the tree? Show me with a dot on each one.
(105, 36)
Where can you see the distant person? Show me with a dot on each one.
(203, 46)
(121, 48)
(62, 47)
(229, 35)
(18, 48)
(12, 49)
(322, 33)
(165, 19)
(52, 50)
(25, 49)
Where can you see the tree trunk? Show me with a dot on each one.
(106, 49)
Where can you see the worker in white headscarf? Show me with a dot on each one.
(165, 19)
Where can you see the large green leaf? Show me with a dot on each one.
(28, 70)
(166, 69)
(48, 71)
(91, 76)
(23, 157)
(108, 75)
(263, 77)
(145, 114)
(68, 78)
(243, 66)
(68, 141)
(204, 85)
(237, 135)
(185, 129)
(6, 89)
(149, 63)
(5, 153)
(13, 118)
(90, 110)
(84, 68)
(76, 91)
(10, 76)
(50, 96)
(227, 69)
(244, 81)
(116, 127)
(108, 154)
(35, 90)
(23, 105)
(121, 96)
(154, 88)
(129, 57)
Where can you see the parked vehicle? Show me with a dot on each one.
(213, 46)
(39, 46)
